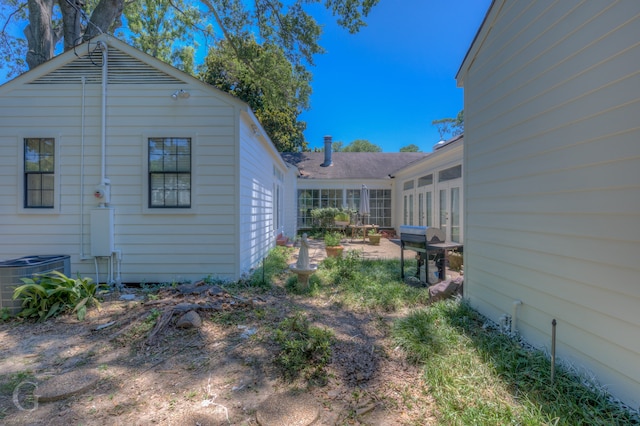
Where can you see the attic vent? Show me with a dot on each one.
(123, 69)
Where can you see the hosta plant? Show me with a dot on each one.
(47, 295)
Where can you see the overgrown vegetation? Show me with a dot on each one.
(478, 375)
(305, 350)
(367, 284)
(324, 219)
(137, 332)
(332, 239)
(48, 295)
(271, 268)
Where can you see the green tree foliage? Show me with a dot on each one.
(163, 29)
(450, 127)
(410, 148)
(287, 24)
(261, 75)
(361, 145)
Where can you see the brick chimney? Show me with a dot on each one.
(327, 152)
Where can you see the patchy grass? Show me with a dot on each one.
(480, 376)
(366, 284)
(305, 350)
(137, 332)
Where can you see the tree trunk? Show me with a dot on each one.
(105, 15)
(71, 12)
(39, 33)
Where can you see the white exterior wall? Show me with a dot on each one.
(156, 245)
(441, 159)
(552, 179)
(261, 171)
(291, 202)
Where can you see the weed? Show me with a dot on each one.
(480, 376)
(304, 349)
(140, 330)
(368, 284)
(5, 314)
(9, 382)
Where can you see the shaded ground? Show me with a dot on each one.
(215, 375)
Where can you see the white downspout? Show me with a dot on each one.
(103, 131)
(82, 115)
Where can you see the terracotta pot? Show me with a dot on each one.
(334, 251)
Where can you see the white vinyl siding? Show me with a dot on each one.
(258, 183)
(156, 245)
(427, 183)
(552, 179)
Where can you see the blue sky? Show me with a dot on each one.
(387, 83)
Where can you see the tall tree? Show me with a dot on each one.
(410, 148)
(337, 146)
(164, 30)
(361, 145)
(285, 23)
(450, 127)
(262, 76)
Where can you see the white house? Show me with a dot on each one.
(115, 158)
(552, 179)
(335, 179)
(428, 192)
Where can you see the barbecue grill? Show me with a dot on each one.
(424, 239)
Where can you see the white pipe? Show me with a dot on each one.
(103, 131)
(95, 261)
(118, 254)
(82, 112)
(514, 315)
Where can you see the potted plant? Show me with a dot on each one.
(342, 219)
(332, 244)
(374, 237)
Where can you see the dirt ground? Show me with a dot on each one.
(217, 374)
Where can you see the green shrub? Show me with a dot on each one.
(303, 348)
(48, 295)
(342, 217)
(332, 239)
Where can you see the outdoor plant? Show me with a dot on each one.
(479, 375)
(323, 218)
(48, 295)
(332, 239)
(5, 314)
(342, 216)
(304, 349)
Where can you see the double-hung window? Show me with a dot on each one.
(169, 172)
(39, 173)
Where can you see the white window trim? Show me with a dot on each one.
(145, 175)
(57, 176)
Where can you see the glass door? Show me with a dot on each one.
(449, 211)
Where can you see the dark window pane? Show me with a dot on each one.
(170, 172)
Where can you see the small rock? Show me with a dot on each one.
(248, 332)
(189, 320)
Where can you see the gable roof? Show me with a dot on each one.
(351, 165)
(127, 65)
